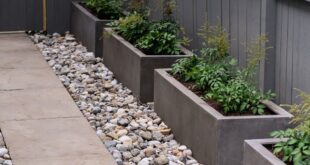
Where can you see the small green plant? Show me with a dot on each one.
(132, 27)
(238, 96)
(301, 112)
(185, 66)
(210, 77)
(256, 51)
(153, 38)
(162, 38)
(215, 42)
(295, 144)
(215, 73)
(106, 9)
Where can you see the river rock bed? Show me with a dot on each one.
(132, 132)
(5, 158)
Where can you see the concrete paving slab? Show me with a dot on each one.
(39, 120)
(28, 79)
(61, 138)
(82, 160)
(15, 42)
(22, 60)
(37, 104)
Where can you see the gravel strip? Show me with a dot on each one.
(5, 158)
(131, 131)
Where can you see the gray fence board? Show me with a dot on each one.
(292, 49)
(284, 21)
(27, 15)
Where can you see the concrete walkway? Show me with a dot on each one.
(39, 120)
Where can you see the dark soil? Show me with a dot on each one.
(280, 156)
(217, 106)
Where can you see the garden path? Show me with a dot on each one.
(39, 120)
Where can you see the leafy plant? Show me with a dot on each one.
(132, 27)
(256, 51)
(295, 149)
(162, 38)
(215, 42)
(106, 9)
(216, 74)
(238, 96)
(153, 38)
(295, 143)
(184, 67)
(301, 112)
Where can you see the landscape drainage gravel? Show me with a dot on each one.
(5, 158)
(132, 132)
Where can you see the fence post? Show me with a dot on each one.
(44, 15)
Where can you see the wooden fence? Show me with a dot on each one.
(28, 15)
(286, 22)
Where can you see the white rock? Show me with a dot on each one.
(144, 161)
(7, 162)
(182, 148)
(3, 151)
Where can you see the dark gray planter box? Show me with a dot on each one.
(215, 139)
(87, 28)
(132, 67)
(256, 153)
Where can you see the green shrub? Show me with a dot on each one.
(185, 66)
(238, 96)
(215, 42)
(106, 9)
(132, 27)
(216, 74)
(296, 148)
(162, 38)
(153, 38)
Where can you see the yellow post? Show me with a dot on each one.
(44, 14)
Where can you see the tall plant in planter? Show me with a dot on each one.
(218, 99)
(216, 76)
(152, 37)
(141, 45)
(295, 148)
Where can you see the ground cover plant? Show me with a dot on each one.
(294, 147)
(105, 9)
(152, 37)
(217, 79)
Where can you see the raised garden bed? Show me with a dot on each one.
(213, 137)
(87, 28)
(257, 151)
(134, 68)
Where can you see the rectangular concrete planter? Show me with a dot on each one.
(256, 153)
(87, 28)
(132, 67)
(215, 139)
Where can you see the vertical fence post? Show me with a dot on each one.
(44, 15)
